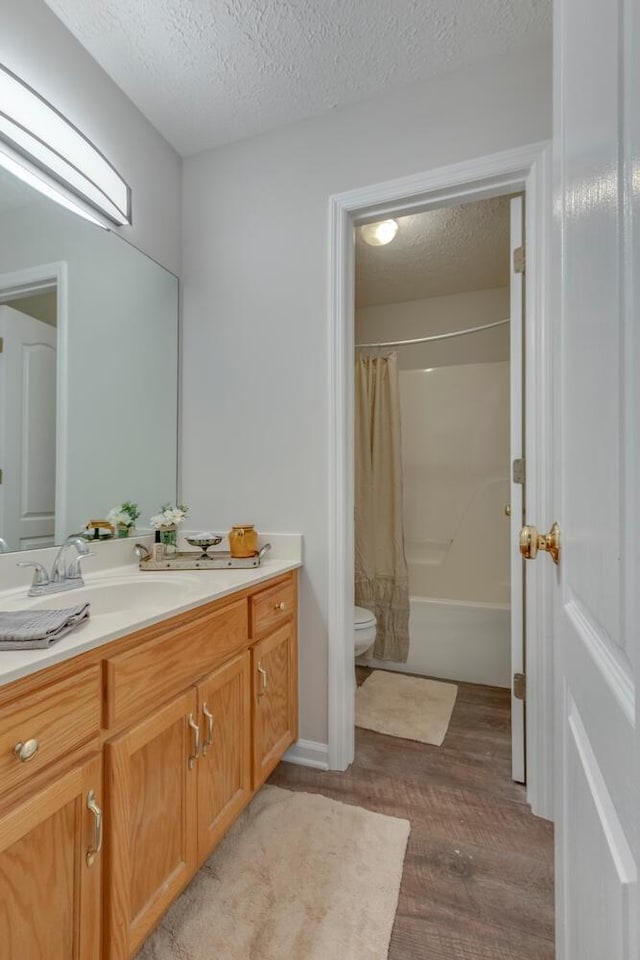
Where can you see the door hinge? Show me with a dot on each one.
(519, 470)
(1, 476)
(520, 686)
(519, 259)
(1, 344)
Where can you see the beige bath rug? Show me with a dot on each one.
(408, 707)
(299, 877)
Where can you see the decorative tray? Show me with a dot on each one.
(196, 560)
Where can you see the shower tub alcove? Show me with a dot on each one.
(455, 469)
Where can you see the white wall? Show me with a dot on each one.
(40, 50)
(424, 318)
(255, 246)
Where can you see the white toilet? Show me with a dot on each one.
(364, 630)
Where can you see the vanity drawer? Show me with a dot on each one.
(271, 607)
(50, 724)
(154, 671)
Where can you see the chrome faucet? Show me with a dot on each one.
(64, 576)
(62, 572)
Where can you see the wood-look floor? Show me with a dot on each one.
(478, 874)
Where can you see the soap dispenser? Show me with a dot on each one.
(157, 553)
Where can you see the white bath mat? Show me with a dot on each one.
(410, 707)
(298, 877)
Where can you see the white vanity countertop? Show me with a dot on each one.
(105, 625)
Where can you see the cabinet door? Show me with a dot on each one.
(275, 709)
(50, 884)
(151, 784)
(224, 769)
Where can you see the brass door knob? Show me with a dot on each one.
(531, 541)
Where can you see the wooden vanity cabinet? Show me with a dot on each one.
(51, 869)
(224, 767)
(191, 716)
(274, 665)
(151, 782)
(275, 705)
(176, 782)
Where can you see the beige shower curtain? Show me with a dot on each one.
(382, 582)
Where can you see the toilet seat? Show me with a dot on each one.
(364, 630)
(363, 618)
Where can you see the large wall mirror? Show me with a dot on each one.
(88, 373)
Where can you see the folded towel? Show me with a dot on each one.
(38, 629)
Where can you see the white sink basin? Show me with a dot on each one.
(144, 593)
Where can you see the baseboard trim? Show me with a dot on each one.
(309, 753)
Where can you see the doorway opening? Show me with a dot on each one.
(438, 422)
(524, 171)
(32, 424)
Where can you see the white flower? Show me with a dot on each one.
(117, 515)
(168, 517)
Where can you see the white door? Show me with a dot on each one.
(597, 406)
(27, 430)
(517, 493)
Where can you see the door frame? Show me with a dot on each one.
(38, 279)
(526, 169)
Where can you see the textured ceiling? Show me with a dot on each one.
(451, 250)
(206, 72)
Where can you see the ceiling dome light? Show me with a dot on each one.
(377, 234)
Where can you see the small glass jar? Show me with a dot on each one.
(169, 540)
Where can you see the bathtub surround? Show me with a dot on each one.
(327, 888)
(455, 452)
(452, 639)
(454, 413)
(412, 708)
(381, 576)
(456, 458)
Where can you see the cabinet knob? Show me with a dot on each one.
(280, 606)
(26, 749)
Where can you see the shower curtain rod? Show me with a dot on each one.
(438, 336)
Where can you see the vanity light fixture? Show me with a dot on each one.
(380, 233)
(41, 147)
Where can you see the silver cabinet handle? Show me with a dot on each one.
(209, 737)
(26, 749)
(93, 851)
(193, 758)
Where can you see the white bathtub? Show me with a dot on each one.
(457, 640)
